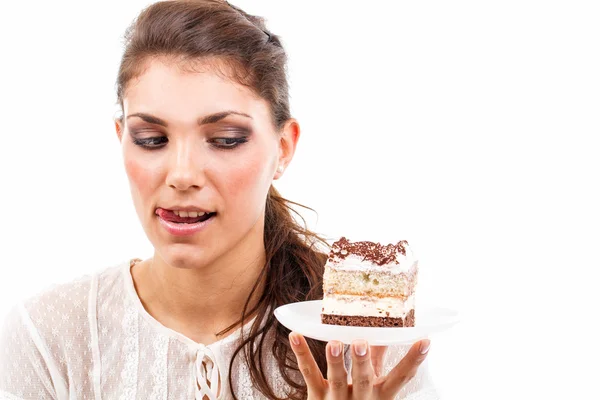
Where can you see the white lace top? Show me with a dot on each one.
(91, 338)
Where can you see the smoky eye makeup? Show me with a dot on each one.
(147, 138)
(224, 137)
(229, 127)
(228, 137)
(228, 142)
(149, 143)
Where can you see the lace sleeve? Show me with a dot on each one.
(24, 367)
(420, 387)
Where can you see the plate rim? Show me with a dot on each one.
(416, 332)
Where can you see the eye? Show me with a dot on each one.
(228, 143)
(150, 143)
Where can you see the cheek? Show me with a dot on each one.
(249, 181)
(140, 178)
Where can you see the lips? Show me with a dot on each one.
(169, 215)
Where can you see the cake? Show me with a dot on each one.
(369, 284)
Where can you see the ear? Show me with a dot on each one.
(119, 127)
(287, 146)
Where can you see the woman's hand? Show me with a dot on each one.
(366, 361)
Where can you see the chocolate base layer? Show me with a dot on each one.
(353, 320)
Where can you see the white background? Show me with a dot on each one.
(465, 127)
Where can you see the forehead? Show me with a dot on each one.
(176, 93)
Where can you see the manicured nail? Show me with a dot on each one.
(335, 349)
(425, 346)
(360, 347)
(295, 339)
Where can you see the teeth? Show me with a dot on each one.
(190, 214)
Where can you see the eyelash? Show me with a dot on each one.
(147, 143)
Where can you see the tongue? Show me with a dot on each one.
(168, 215)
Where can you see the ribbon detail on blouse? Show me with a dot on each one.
(206, 367)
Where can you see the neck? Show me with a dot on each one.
(201, 302)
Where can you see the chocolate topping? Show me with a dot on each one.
(371, 251)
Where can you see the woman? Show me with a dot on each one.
(206, 128)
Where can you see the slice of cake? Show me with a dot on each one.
(369, 284)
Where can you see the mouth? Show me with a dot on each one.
(171, 216)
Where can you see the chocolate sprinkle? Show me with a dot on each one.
(371, 251)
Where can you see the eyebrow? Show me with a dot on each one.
(209, 119)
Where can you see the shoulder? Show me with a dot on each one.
(49, 336)
(57, 297)
(63, 308)
(57, 321)
(67, 297)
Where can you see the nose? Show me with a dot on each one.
(186, 166)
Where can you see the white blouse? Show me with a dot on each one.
(91, 338)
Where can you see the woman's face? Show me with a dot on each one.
(198, 139)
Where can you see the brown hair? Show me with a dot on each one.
(223, 35)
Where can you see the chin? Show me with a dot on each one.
(187, 255)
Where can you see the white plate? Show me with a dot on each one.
(305, 318)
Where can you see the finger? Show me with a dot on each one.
(405, 370)
(377, 357)
(307, 364)
(337, 376)
(362, 370)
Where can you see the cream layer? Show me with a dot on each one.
(368, 307)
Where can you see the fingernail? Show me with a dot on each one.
(335, 349)
(425, 346)
(295, 339)
(360, 347)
